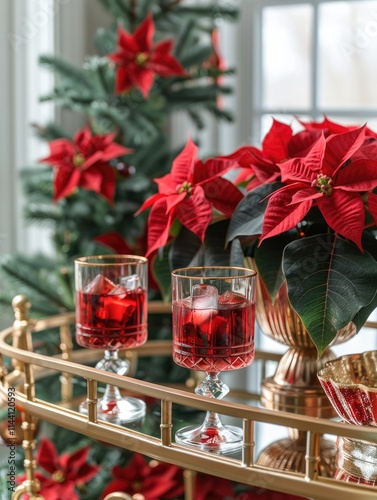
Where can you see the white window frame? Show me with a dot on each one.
(254, 10)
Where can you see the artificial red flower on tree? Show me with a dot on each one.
(322, 178)
(154, 480)
(139, 60)
(66, 472)
(189, 193)
(215, 60)
(84, 162)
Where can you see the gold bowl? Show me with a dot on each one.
(350, 383)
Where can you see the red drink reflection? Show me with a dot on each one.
(214, 340)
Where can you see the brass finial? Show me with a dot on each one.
(21, 307)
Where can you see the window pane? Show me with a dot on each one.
(347, 54)
(286, 51)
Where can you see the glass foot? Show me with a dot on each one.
(223, 442)
(113, 407)
(212, 436)
(118, 411)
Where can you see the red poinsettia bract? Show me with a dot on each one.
(84, 162)
(66, 471)
(153, 480)
(260, 166)
(189, 193)
(212, 488)
(329, 127)
(138, 60)
(327, 178)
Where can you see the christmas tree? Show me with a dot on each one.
(157, 57)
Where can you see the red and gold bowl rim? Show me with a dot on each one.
(350, 383)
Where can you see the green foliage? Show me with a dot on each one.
(42, 279)
(329, 282)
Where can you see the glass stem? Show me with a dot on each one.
(211, 420)
(212, 387)
(111, 364)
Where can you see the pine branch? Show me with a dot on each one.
(43, 215)
(102, 75)
(33, 277)
(69, 99)
(49, 132)
(67, 71)
(196, 56)
(143, 7)
(107, 119)
(221, 10)
(172, 4)
(184, 39)
(196, 118)
(105, 41)
(211, 73)
(221, 114)
(37, 181)
(196, 95)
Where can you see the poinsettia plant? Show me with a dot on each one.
(65, 473)
(303, 206)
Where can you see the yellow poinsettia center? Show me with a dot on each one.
(185, 186)
(136, 485)
(78, 159)
(58, 476)
(323, 184)
(141, 58)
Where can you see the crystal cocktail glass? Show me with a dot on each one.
(213, 331)
(111, 314)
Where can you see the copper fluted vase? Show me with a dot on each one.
(294, 387)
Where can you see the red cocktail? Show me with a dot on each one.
(112, 321)
(214, 340)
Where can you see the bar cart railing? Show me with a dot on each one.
(28, 367)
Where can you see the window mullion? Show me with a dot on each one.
(315, 64)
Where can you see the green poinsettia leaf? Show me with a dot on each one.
(268, 258)
(187, 249)
(369, 243)
(361, 317)
(236, 254)
(247, 219)
(162, 272)
(329, 282)
(214, 251)
(183, 249)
